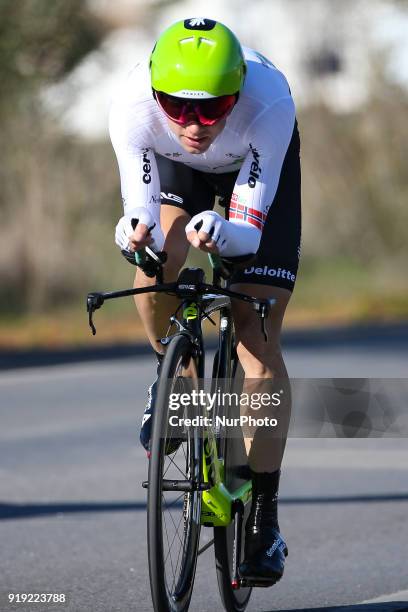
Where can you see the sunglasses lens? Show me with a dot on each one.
(214, 109)
(173, 107)
(207, 111)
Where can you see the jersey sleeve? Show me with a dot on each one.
(257, 182)
(139, 176)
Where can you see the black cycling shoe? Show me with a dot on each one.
(172, 444)
(265, 549)
(146, 427)
(264, 560)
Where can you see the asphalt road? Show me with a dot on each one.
(72, 511)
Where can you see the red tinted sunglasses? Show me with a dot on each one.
(207, 111)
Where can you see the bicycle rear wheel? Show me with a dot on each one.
(227, 369)
(173, 516)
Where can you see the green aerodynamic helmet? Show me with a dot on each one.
(197, 58)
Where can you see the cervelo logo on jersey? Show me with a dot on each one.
(147, 168)
(255, 171)
(171, 196)
(273, 272)
(198, 23)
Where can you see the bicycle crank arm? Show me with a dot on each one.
(238, 513)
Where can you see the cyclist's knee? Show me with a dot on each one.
(260, 361)
(260, 358)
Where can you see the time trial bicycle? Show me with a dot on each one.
(198, 475)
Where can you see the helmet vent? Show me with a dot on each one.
(206, 41)
(199, 40)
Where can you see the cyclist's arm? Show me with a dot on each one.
(268, 137)
(258, 179)
(139, 177)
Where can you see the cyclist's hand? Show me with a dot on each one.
(210, 232)
(138, 229)
(205, 231)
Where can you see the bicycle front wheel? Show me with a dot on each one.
(174, 503)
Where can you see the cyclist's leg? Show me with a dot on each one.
(266, 377)
(155, 309)
(265, 372)
(273, 275)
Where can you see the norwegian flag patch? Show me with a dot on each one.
(245, 213)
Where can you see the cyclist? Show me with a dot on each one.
(205, 118)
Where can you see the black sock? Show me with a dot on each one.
(264, 509)
(266, 483)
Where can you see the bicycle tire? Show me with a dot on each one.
(173, 597)
(234, 600)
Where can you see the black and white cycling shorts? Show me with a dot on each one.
(277, 259)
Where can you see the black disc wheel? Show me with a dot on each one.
(174, 503)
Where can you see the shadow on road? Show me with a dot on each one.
(22, 511)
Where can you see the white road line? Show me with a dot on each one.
(398, 596)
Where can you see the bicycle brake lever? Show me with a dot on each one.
(263, 313)
(262, 308)
(263, 328)
(93, 302)
(91, 323)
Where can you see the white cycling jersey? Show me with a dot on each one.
(255, 140)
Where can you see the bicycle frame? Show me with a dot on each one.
(217, 501)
